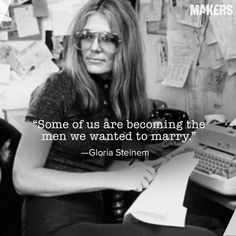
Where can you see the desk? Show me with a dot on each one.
(202, 201)
(228, 202)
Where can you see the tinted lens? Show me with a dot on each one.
(107, 41)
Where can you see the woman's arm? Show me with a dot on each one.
(31, 178)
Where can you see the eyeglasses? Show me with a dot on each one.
(107, 41)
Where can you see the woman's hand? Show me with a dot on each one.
(156, 164)
(137, 177)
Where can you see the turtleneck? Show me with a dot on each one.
(103, 80)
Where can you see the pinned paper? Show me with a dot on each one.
(5, 73)
(60, 25)
(210, 35)
(224, 28)
(155, 10)
(180, 9)
(34, 55)
(27, 24)
(156, 27)
(42, 71)
(4, 4)
(145, 1)
(216, 80)
(40, 8)
(162, 58)
(180, 56)
(231, 67)
(18, 2)
(3, 36)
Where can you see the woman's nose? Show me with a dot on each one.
(95, 45)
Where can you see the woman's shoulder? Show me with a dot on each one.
(58, 84)
(59, 80)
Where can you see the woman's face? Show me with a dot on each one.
(96, 59)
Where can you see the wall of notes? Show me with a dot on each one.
(31, 36)
(191, 59)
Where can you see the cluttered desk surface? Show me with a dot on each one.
(217, 187)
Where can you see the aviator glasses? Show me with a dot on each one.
(107, 41)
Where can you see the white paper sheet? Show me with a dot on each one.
(180, 9)
(155, 11)
(3, 8)
(68, 10)
(3, 36)
(5, 73)
(225, 31)
(42, 71)
(210, 35)
(27, 24)
(162, 202)
(33, 55)
(180, 56)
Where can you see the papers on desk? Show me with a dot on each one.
(162, 202)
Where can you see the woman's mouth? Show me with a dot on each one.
(95, 60)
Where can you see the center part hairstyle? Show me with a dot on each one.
(127, 92)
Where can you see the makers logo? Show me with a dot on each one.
(211, 9)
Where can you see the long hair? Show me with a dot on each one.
(127, 92)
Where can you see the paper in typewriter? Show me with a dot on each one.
(162, 202)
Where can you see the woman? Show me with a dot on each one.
(102, 80)
(10, 202)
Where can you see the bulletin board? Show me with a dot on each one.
(31, 44)
(190, 57)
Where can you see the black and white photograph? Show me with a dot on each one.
(117, 117)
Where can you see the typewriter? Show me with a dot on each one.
(215, 148)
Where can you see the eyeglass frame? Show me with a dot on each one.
(97, 35)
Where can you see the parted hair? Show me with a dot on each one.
(127, 91)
